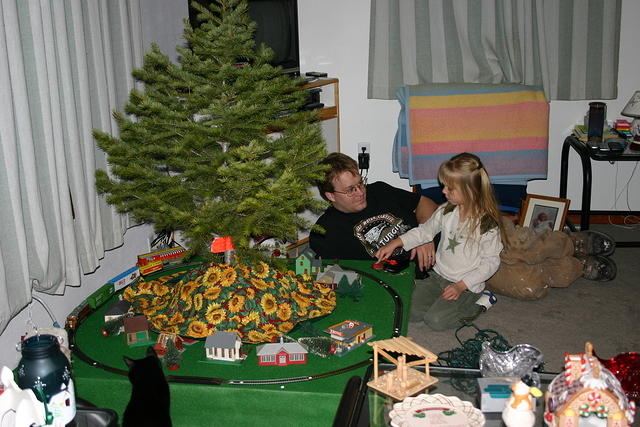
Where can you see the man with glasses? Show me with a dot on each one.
(364, 217)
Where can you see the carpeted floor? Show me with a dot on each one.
(605, 313)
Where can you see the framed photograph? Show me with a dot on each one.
(544, 213)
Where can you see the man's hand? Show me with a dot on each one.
(425, 255)
(386, 251)
(453, 291)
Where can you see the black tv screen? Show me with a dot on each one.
(277, 27)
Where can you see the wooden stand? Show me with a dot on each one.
(403, 381)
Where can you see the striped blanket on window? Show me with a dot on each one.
(506, 125)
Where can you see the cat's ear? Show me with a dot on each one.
(151, 352)
(128, 361)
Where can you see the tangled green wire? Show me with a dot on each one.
(468, 355)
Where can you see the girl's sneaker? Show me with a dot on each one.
(487, 300)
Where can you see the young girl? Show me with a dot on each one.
(469, 250)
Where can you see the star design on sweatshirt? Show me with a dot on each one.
(453, 242)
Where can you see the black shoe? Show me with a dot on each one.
(599, 268)
(592, 243)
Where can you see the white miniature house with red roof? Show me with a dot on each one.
(281, 354)
(587, 394)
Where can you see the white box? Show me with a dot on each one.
(495, 392)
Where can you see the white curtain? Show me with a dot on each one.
(567, 47)
(64, 66)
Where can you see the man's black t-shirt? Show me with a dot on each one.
(389, 213)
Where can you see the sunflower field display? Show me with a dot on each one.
(258, 303)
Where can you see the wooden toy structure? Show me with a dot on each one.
(403, 381)
(587, 394)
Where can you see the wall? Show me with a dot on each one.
(334, 38)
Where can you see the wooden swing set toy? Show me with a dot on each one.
(403, 381)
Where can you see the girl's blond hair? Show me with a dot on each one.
(466, 173)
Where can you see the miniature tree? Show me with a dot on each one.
(113, 326)
(172, 356)
(353, 289)
(197, 152)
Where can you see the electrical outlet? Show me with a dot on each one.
(364, 155)
(365, 145)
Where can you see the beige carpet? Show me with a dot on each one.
(605, 313)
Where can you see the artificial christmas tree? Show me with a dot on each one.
(197, 152)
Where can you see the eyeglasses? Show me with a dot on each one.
(351, 191)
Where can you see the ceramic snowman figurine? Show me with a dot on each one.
(519, 411)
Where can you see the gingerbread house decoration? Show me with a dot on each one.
(403, 381)
(587, 394)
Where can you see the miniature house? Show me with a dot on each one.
(308, 263)
(136, 330)
(334, 274)
(587, 394)
(348, 335)
(296, 248)
(224, 346)
(281, 354)
(402, 381)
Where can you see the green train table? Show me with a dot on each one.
(205, 393)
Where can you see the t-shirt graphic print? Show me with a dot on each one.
(378, 230)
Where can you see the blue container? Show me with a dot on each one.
(47, 371)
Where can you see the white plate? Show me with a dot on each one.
(435, 410)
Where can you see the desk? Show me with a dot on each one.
(310, 399)
(586, 156)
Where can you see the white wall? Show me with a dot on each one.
(334, 38)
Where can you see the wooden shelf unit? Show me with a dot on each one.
(330, 112)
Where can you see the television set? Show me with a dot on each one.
(277, 27)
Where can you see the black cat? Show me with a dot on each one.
(150, 401)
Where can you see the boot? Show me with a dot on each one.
(598, 268)
(592, 243)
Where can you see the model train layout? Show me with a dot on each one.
(98, 298)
